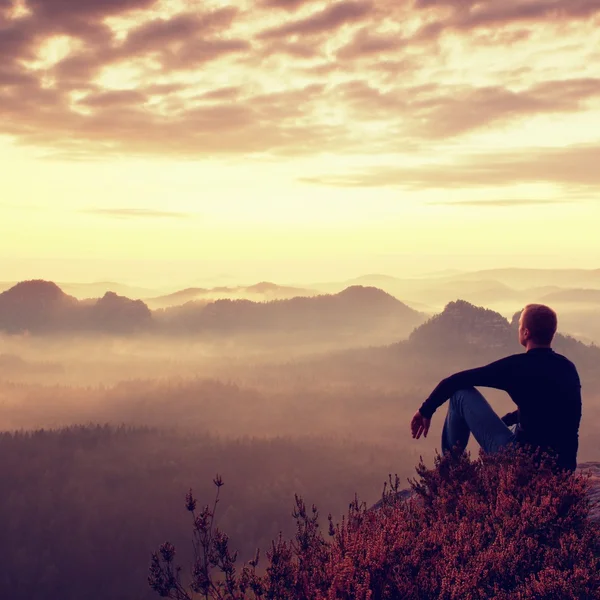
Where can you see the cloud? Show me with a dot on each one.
(289, 77)
(466, 15)
(365, 43)
(449, 114)
(327, 20)
(289, 5)
(158, 33)
(136, 213)
(193, 54)
(90, 9)
(571, 167)
(114, 98)
(433, 111)
(230, 92)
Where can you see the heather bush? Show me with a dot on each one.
(504, 526)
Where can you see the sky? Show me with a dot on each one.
(296, 140)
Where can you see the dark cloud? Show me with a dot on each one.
(223, 93)
(15, 39)
(285, 4)
(156, 34)
(366, 43)
(303, 50)
(571, 167)
(114, 98)
(89, 9)
(12, 76)
(327, 20)
(197, 52)
(471, 14)
(76, 71)
(136, 213)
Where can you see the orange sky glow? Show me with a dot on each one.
(297, 139)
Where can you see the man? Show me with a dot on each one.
(544, 385)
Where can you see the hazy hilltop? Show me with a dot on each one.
(463, 328)
(470, 334)
(97, 289)
(42, 307)
(37, 306)
(461, 325)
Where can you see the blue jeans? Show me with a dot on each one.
(469, 412)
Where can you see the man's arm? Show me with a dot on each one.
(498, 374)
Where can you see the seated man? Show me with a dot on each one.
(544, 385)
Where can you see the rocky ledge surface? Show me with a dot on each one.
(594, 469)
(588, 467)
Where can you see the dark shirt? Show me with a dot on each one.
(546, 388)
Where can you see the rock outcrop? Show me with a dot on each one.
(589, 467)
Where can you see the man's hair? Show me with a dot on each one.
(541, 321)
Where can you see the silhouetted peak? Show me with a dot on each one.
(37, 288)
(366, 294)
(462, 322)
(35, 306)
(113, 300)
(463, 310)
(119, 313)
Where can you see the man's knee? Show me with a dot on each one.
(460, 395)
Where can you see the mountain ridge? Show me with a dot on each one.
(42, 307)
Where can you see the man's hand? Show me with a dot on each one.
(419, 425)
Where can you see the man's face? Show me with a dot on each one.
(523, 332)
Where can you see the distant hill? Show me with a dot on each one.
(36, 306)
(506, 292)
(528, 278)
(263, 291)
(463, 327)
(463, 324)
(119, 314)
(477, 292)
(464, 334)
(176, 298)
(355, 309)
(574, 296)
(42, 307)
